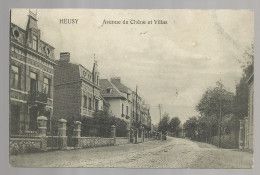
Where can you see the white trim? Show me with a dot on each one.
(31, 65)
(22, 101)
(23, 92)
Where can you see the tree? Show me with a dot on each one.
(240, 101)
(216, 102)
(174, 125)
(163, 124)
(100, 125)
(191, 127)
(247, 61)
(207, 127)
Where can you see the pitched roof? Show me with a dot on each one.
(121, 87)
(106, 84)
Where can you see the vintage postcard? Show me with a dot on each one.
(131, 88)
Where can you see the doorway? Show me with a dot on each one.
(15, 119)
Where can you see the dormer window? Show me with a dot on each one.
(34, 42)
(97, 80)
(47, 51)
(109, 90)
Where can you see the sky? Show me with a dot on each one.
(172, 64)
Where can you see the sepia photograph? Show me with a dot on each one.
(128, 88)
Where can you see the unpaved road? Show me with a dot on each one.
(173, 153)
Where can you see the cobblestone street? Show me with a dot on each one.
(173, 153)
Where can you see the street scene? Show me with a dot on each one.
(174, 152)
(131, 88)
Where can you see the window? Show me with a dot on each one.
(109, 90)
(97, 80)
(34, 42)
(126, 110)
(122, 108)
(96, 105)
(46, 86)
(15, 77)
(89, 103)
(33, 82)
(85, 101)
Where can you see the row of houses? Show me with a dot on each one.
(41, 85)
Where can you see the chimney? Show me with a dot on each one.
(115, 79)
(65, 56)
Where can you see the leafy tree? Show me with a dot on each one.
(207, 127)
(240, 101)
(174, 125)
(216, 102)
(247, 61)
(100, 125)
(163, 124)
(191, 127)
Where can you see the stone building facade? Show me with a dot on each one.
(76, 89)
(31, 77)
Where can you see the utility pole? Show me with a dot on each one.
(220, 117)
(160, 107)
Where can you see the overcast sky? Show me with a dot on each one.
(188, 54)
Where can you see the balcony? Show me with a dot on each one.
(87, 112)
(37, 97)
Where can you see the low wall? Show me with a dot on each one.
(86, 142)
(25, 145)
(121, 140)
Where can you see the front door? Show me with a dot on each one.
(33, 118)
(15, 120)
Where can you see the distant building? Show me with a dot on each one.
(136, 108)
(76, 89)
(31, 77)
(146, 117)
(118, 97)
(140, 113)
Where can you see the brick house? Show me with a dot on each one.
(119, 98)
(31, 77)
(76, 89)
